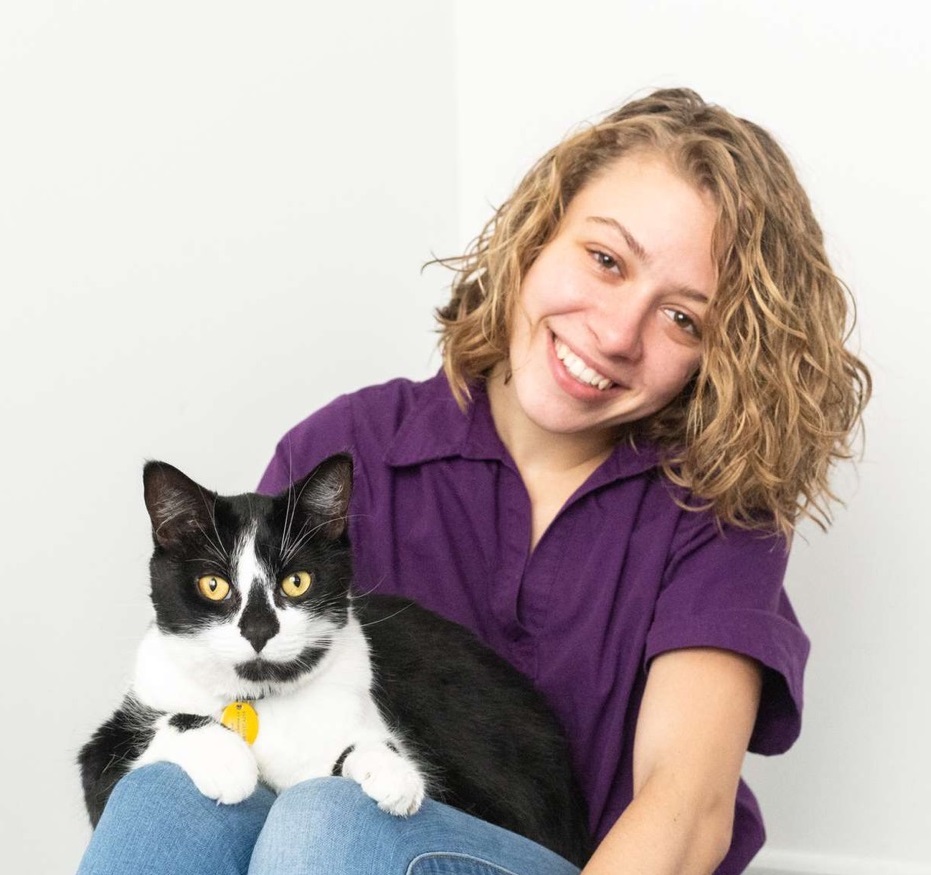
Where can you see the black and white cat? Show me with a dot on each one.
(254, 616)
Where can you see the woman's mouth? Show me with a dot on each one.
(578, 370)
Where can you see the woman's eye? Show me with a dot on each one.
(295, 585)
(683, 321)
(603, 260)
(213, 588)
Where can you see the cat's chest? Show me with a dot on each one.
(302, 735)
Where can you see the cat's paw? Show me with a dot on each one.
(221, 765)
(393, 781)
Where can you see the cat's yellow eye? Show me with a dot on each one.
(296, 584)
(212, 587)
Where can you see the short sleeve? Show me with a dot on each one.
(724, 588)
(320, 435)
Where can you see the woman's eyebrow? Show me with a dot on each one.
(643, 256)
(632, 241)
(689, 292)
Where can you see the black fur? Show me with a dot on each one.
(258, 622)
(490, 744)
(260, 670)
(106, 757)
(337, 769)
(484, 731)
(187, 722)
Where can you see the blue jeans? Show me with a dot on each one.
(157, 823)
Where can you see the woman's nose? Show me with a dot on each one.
(619, 323)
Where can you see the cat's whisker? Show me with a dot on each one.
(202, 561)
(296, 541)
(381, 580)
(303, 538)
(290, 515)
(213, 520)
(218, 551)
(289, 547)
(305, 534)
(384, 619)
(309, 534)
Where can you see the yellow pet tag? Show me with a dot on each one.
(242, 718)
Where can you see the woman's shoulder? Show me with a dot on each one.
(357, 423)
(395, 399)
(374, 414)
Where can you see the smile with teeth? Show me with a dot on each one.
(578, 369)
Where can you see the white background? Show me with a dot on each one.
(212, 221)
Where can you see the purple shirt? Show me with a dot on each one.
(440, 514)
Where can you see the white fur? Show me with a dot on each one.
(304, 726)
(248, 565)
(393, 781)
(218, 761)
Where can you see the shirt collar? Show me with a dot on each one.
(435, 428)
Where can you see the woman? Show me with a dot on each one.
(644, 387)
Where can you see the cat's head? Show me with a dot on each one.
(249, 590)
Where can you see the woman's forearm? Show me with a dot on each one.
(664, 831)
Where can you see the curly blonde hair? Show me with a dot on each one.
(777, 398)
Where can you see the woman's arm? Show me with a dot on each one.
(695, 721)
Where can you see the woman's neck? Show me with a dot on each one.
(552, 466)
(535, 450)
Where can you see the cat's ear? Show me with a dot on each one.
(325, 493)
(178, 507)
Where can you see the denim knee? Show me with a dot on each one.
(327, 825)
(163, 792)
(157, 821)
(330, 825)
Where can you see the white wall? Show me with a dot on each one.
(212, 220)
(844, 86)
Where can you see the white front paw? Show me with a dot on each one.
(221, 765)
(394, 782)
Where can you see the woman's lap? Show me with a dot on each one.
(157, 822)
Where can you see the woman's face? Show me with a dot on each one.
(609, 322)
